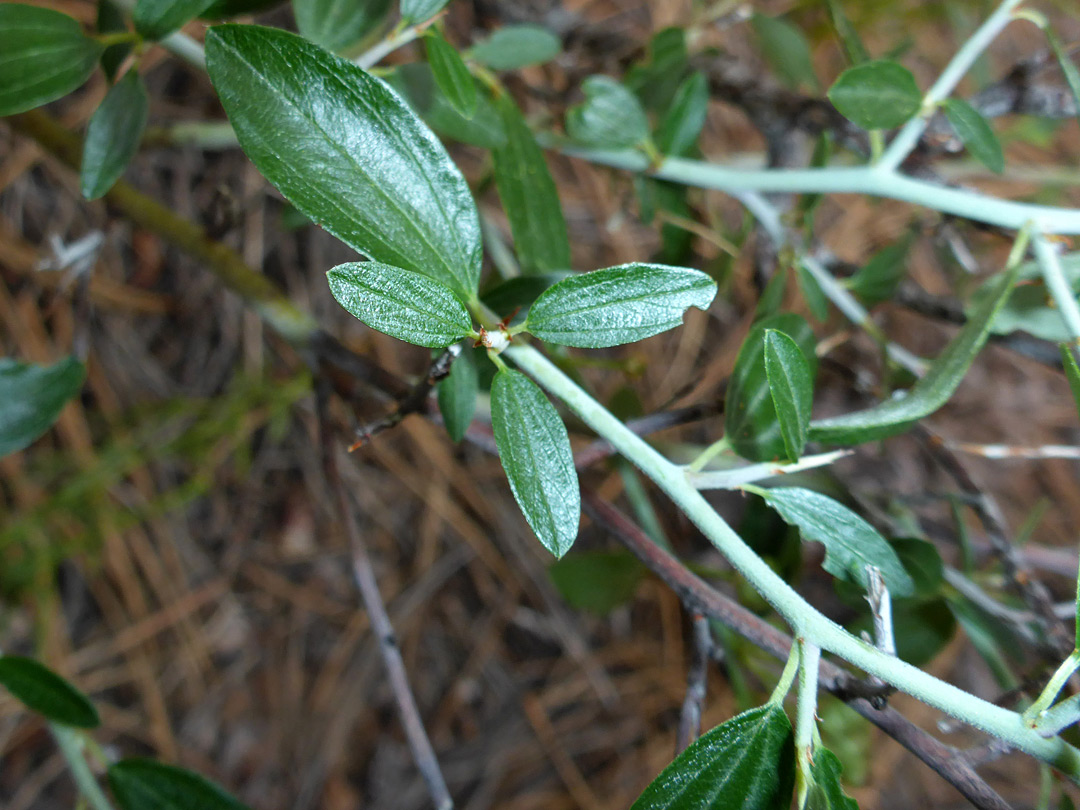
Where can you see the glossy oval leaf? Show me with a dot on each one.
(976, 133)
(785, 49)
(156, 19)
(850, 542)
(534, 448)
(401, 303)
(339, 24)
(456, 394)
(31, 398)
(347, 152)
(826, 792)
(618, 305)
(43, 691)
(418, 11)
(876, 95)
(611, 117)
(145, 784)
(113, 136)
(685, 118)
(417, 84)
(451, 74)
(45, 56)
(516, 46)
(791, 386)
(746, 763)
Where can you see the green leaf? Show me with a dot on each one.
(418, 11)
(792, 388)
(347, 152)
(856, 51)
(31, 398)
(850, 542)
(113, 136)
(529, 196)
(457, 395)
(785, 49)
(812, 293)
(224, 9)
(145, 784)
(750, 421)
(826, 792)
(876, 95)
(922, 628)
(45, 56)
(656, 81)
(416, 82)
(610, 117)
(156, 19)
(338, 24)
(746, 763)
(534, 448)
(518, 293)
(975, 132)
(922, 562)
(878, 279)
(43, 691)
(401, 303)
(516, 46)
(685, 118)
(1068, 67)
(618, 305)
(110, 20)
(1072, 374)
(897, 414)
(1030, 308)
(597, 581)
(451, 75)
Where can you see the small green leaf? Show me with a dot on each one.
(975, 132)
(110, 20)
(826, 792)
(417, 84)
(1068, 67)
(876, 95)
(418, 11)
(113, 136)
(850, 542)
(792, 388)
(597, 581)
(337, 25)
(43, 691)
(656, 81)
(618, 305)
(785, 49)
(145, 784)
(610, 117)
(534, 448)
(685, 118)
(1072, 374)
(812, 293)
(450, 73)
(922, 562)
(878, 279)
(156, 19)
(746, 763)
(518, 293)
(516, 46)
(856, 51)
(45, 56)
(457, 395)
(31, 398)
(401, 303)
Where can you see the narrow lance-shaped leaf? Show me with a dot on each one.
(618, 305)
(43, 691)
(401, 303)
(876, 95)
(144, 784)
(457, 395)
(792, 388)
(347, 152)
(826, 792)
(417, 84)
(976, 134)
(339, 24)
(685, 118)
(856, 51)
(113, 136)
(516, 46)
(31, 398)
(451, 74)
(156, 19)
(610, 117)
(418, 11)
(1068, 67)
(534, 448)
(931, 392)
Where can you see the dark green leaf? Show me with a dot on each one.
(451, 75)
(994, 640)
(224, 9)
(1072, 374)
(785, 49)
(418, 11)
(922, 562)
(457, 395)
(535, 451)
(45, 56)
(876, 95)
(156, 19)
(656, 81)
(516, 46)
(401, 303)
(812, 293)
(931, 392)
(685, 118)
(610, 117)
(110, 20)
(792, 388)
(597, 581)
(43, 691)
(31, 398)
(850, 542)
(144, 784)
(339, 24)
(826, 792)
(113, 136)
(1068, 67)
(346, 150)
(856, 51)
(529, 196)
(618, 305)
(976, 134)
(518, 293)
(746, 763)
(921, 628)
(416, 83)
(878, 279)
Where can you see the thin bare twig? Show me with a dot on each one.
(690, 716)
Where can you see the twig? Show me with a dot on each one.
(749, 473)
(696, 675)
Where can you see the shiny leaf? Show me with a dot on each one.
(876, 95)
(516, 46)
(791, 386)
(31, 398)
(610, 117)
(113, 136)
(144, 784)
(43, 691)
(338, 25)
(451, 75)
(457, 395)
(156, 19)
(975, 132)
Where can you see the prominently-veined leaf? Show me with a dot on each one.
(534, 448)
(1072, 374)
(418, 11)
(338, 25)
(110, 20)
(113, 136)
(401, 303)
(145, 784)
(610, 117)
(878, 279)
(45, 56)
(792, 388)
(618, 305)
(516, 46)
(417, 84)
(786, 50)
(876, 95)
(1068, 67)
(682, 123)
(347, 152)
(156, 19)
(451, 74)
(43, 691)
(31, 398)
(597, 581)
(750, 421)
(826, 792)
(976, 134)
(529, 196)
(931, 392)
(850, 542)
(747, 762)
(457, 395)
(856, 51)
